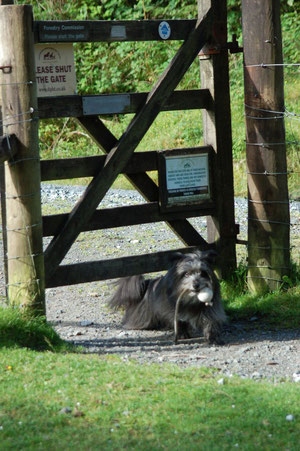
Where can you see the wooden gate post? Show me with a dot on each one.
(22, 174)
(217, 133)
(268, 201)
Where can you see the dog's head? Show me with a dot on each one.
(194, 276)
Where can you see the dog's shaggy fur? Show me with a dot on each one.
(151, 303)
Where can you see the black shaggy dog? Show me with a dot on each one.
(189, 291)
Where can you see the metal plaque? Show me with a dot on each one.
(105, 104)
(184, 178)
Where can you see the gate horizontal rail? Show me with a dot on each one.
(109, 104)
(79, 167)
(109, 218)
(113, 268)
(109, 31)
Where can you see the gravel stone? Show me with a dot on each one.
(80, 315)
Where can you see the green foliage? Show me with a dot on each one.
(291, 38)
(117, 67)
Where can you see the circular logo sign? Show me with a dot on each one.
(164, 30)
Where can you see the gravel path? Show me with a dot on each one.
(79, 313)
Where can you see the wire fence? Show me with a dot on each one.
(27, 116)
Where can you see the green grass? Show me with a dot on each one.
(115, 405)
(280, 308)
(23, 329)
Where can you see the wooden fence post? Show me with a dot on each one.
(25, 261)
(2, 187)
(217, 133)
(268, 201)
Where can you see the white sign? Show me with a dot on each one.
(187, 178)
(55, 70)
(164, 30)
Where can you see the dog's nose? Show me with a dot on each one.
(196, 285)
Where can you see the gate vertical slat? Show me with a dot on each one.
(217, 133)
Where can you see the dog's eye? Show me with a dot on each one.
(186, 274)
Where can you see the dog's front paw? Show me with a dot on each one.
(216, 341)
(183, 330)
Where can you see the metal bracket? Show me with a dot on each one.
(219, 42)
(233, 46)
(6, 69)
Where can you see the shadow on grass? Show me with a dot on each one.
(18, 329)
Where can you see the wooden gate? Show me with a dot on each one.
(213, 98)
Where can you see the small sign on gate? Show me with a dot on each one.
(184, 178)
(55, 70)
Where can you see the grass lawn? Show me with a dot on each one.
(67, 401)
(55, 397)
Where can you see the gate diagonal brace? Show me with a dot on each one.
(103, 137)
(121, 153)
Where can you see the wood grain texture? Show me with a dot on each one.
(109, 31)
(141, 181)
(124, 216)
(22, 176)
(268, 200)
(119, 156)
(72, 106)
(113, 268)
(217, 133)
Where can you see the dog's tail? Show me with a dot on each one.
(130, 291)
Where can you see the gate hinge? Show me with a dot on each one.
(233, 46)
(218, 42)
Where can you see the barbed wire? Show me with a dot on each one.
(26, 227)
(271, 248)
(30, 111)
(20, 196)
(21, 160)
(272, 173)
(269, 201)
(269, 267)
(17, 83)
(23, 256)
(22, 284)
(31, 255)
(271, 144)
(270, 221)
(282, 114)
(272, 64)
(265, 278)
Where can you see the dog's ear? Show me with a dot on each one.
(209, 256)
(174, 257)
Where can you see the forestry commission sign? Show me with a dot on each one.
(184, 178)
(55, 70)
